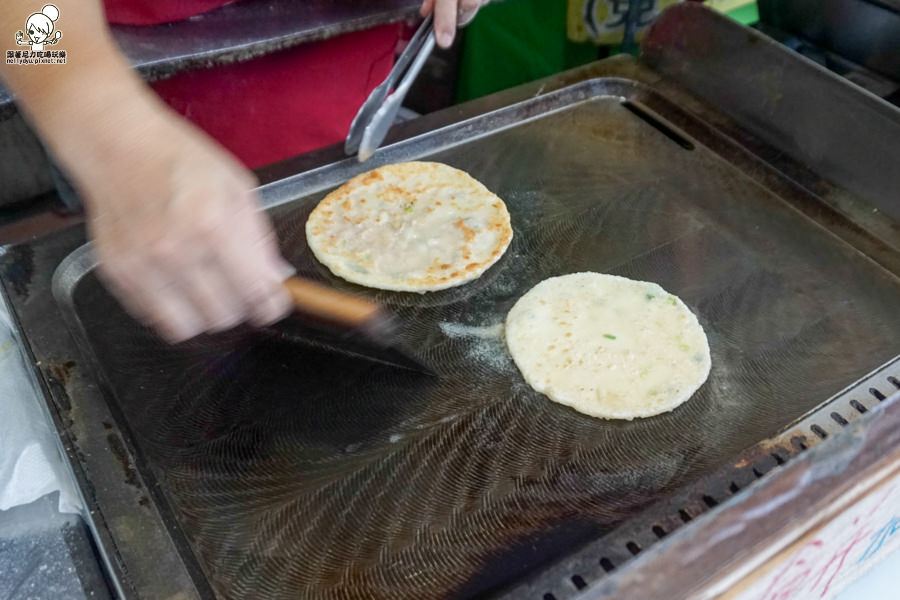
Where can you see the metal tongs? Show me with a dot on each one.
(377, 114)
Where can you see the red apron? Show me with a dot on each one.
(279, 105)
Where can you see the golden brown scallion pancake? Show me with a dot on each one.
(412, 227)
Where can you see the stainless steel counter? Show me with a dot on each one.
(149, 457)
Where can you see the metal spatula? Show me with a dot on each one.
(347, 324)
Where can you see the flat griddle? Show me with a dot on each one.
(280, 471)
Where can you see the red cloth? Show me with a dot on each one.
(286, 103)
(279, 105)
(154, 12)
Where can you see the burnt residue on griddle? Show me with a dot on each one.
(18, 270)
(118, 449)
(59, 375)
(61, 371)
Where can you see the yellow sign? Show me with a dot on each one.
(603, 21)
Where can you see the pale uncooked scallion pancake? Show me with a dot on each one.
(608, 346)
(412, 227)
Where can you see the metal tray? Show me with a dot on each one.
(285, 472)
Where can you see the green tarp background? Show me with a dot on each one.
(515, 41)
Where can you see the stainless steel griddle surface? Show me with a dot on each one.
(296, 473)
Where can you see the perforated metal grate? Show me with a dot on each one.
(584, 569)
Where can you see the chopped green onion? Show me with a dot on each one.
(609, 336)
(672, 300)
(650, 296)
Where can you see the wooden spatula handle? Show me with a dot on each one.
(329, 304)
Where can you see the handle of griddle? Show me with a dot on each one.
(328, 304)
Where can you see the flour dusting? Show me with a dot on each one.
(458, 330)
(486, 343)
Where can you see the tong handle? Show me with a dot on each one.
(412, 49)
(381, 122)
(370, 107)
(327, 304)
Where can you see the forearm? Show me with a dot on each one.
(81, 101)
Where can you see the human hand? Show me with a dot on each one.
(448, 15)
(173, 216)
(176, 225)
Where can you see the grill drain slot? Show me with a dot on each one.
(859, 407)
(877, 394)
(659, 123)
(799, 443)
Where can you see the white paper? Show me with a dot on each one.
(31, 463)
